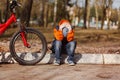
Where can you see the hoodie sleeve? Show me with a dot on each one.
(58, 34)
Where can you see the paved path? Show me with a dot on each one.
(63, 72)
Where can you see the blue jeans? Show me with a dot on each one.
(59, 47)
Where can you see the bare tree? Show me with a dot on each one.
(107, 5)
(87, 13)
(96, 12)
(109, 12)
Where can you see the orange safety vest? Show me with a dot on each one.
(59, 35)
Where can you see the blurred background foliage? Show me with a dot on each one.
(46, 13)
(96, 22)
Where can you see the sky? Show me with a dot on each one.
(116, 3)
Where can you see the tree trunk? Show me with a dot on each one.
(88, 14)
(41, 19)
(66, 13)
(46, 15)
(85, 14)
(96, 13)
(109, 12)
(79, 15)
(7, 10)
(50, 12)
(26, 12)
(104, 14)
(30, 2)
(119, 25)
(55, 12)
(108, 20)
(119, 20)
(0, 17)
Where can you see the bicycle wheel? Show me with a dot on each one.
(32, 55)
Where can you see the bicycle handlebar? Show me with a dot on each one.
(13, 4)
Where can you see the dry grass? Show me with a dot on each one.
(88, 41)
(92, 41)
(87, 36)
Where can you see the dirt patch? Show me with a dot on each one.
(105, 75)
(93, 48)
(99, 47)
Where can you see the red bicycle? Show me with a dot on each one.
(27, 46)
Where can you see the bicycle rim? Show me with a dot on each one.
(28, 56)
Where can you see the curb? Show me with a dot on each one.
(89, 59)
(79, 58)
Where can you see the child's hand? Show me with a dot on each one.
(67, 25)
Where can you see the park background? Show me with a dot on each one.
(96, 22)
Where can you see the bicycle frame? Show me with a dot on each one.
(5, 25)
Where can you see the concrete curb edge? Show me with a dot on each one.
(79, 58)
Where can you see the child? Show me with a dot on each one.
(64, 39)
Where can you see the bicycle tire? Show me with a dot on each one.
(14, 42)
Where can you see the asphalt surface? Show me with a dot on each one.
(62, 72)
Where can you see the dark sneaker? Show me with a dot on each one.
(71, 63)
(56, 63)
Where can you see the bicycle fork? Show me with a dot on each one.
(24, 39)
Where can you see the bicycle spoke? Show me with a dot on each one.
(32, 54)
